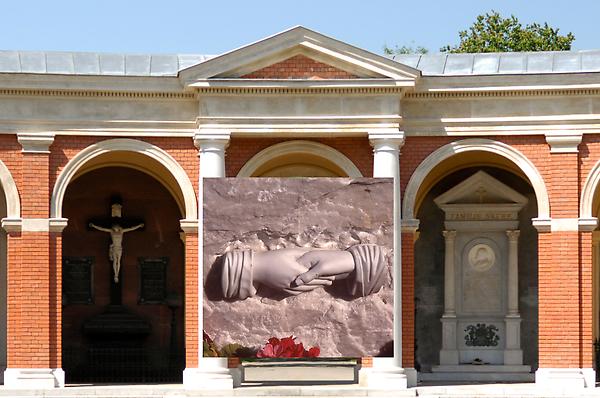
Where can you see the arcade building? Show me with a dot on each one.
(495, 160)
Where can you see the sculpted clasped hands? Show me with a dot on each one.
(299, 270)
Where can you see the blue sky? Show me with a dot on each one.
(213, 27)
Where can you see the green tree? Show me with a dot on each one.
(397, 50)
(493, 33)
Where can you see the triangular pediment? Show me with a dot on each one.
(332, 59)
(481, 189)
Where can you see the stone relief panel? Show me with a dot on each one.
(309, 257)
(482, 276)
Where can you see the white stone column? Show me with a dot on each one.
(212, 373)
(513, 272)
(513, 355)
(387, 373)
(449, 351)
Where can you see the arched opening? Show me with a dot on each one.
(590, 211)
(299, 159)
(450, 174)
(130, 329)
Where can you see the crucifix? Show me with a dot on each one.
(118, 228)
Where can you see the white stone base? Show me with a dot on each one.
(383, 376)
(34, 378)
(492, 373)
(411, 376)
(566, 377)
(212, 374)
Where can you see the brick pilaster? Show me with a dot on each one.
(191, 300)
(565, 274)
(408, 299)
(34, 284)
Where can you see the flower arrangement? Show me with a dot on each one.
(286, 348)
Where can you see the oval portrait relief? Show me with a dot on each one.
(481, 257)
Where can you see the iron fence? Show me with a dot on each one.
(122, 365)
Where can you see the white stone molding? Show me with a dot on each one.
(189, 226)
(386, 164)
(562, 381)
(470, 145)
(300, 147)
(587, 224)
(211, 374)
(294, 41)
(34, 378)
(35, 142)
(57, 224)
(564, 141)
(410, 225)
(565, 224)
(12, 224)
(128, 145)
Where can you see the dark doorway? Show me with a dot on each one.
(130, 331)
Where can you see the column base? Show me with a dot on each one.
(448, 357)
(513, 357)
(411, 376)
(34, 378)
(566, 378)
(212, 374)
(384, 376)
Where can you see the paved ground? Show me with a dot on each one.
(528, 390)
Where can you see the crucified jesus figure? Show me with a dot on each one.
(115, 250)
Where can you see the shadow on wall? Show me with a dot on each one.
(429, 270)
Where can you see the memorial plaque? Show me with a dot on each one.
(78, 280)
(153, 280)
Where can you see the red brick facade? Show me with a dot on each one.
(300, 67)
(34, 258)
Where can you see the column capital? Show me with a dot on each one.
(409, 225)
(212, 139)
(382, 138)
(513, 235)
(35, 142)
(12, 224)
(449, 234)
(565, 141)
(189, 226)
(57, 224)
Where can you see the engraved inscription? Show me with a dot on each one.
(153, 280)
(78, 280)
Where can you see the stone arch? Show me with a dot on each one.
(299, 147)
(471, 145)
(588, 193)
(11, 194)
(145, 149)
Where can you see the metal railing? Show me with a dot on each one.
(122, 365)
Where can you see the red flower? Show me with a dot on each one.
(314, 352)
(286, 348)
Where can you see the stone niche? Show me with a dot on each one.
(481, 320)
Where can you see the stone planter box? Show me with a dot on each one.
(300, 370)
